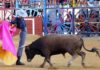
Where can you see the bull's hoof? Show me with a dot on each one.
(83, 64)
(19, 63)
(69, 65)
(41, 66)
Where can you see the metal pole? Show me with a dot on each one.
(73, 24)
(16, 4)
(44, 19)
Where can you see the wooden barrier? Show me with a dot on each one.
(34, 26)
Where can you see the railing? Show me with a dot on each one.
(73, 10)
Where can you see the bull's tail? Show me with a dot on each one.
(94, 49)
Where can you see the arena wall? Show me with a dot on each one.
(34, 25)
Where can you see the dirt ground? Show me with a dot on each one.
(59, 62)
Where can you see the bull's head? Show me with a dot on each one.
(29, 53)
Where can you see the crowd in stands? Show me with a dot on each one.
(75, 3)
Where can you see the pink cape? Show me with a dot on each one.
(8, 50)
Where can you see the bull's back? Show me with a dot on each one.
(58, 42)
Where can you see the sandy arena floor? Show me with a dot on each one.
(58, 61)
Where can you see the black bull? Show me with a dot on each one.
(57, 44)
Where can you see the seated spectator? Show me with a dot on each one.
(91, 3)
(97, 3)
(82, 3)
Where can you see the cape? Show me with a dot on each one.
(7, 48)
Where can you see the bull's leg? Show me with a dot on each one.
(71, 60)
(42, 65)
(82, 54)
(48, 60)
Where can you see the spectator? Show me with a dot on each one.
(82, 3)
(91, 3)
